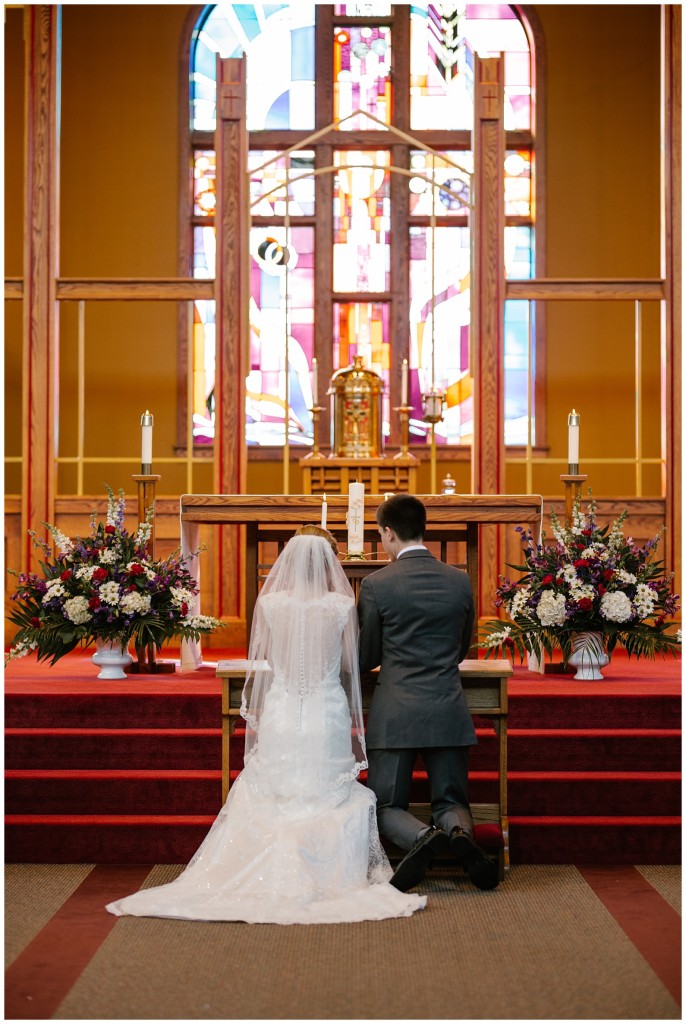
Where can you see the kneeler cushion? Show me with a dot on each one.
(489, 836)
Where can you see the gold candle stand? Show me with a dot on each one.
(404, 411)
(147, 663)
(315, 454)
(573, 483)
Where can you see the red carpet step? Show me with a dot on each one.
(130, 772)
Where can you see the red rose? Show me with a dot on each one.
(94, 603)
(586, 533)
(110, 529)
(547, 579)
(35, 622)
(184, 608)
(66, 575)
(601, 590)
(608, 574)
(132, 586)
(100, 574)
(585, 604)
(579, 563)
(580, 546)
(136, 569)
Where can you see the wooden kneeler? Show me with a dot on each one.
(485, 687)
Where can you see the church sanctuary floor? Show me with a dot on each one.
(552, 942)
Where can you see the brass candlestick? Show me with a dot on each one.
(572, 482)
(404, 412)
(147, 663)
(315, 454)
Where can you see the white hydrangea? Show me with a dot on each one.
(518, 602)
(644, 600)
(551, 609)
(624, 577)
(616, 606)
(85, 572)
(109, 592)
(76, 610)
(135, 602)
(108, 556)
(55, 589)
(181, 595)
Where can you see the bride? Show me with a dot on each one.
(296, 841)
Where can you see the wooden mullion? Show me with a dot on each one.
(400, 63)
(323, 300)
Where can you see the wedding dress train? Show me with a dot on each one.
(296, 841)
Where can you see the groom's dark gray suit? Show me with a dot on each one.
(416, 619)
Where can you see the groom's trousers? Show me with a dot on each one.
(390, 778)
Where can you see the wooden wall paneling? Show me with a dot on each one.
(488, 455)
(42, 28)
(232, 298)
(672, 272)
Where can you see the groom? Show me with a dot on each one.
(416, 618)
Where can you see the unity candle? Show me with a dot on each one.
(573, 449)
(315, 389)
(324, 509)
(355, 519)
(146, 442)
(403, 383)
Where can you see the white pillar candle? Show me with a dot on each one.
(403, 383)
(355, 518)
(324, 510)
(573, 447)
(146, 439)
(315, 381)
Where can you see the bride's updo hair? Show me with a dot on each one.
(310, 530)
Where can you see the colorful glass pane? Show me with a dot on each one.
(362, 10)
(268, 173)
(517, 328)
(362, 329)
(449, 170)
(518, 183)
(275, 294)
(518, 251)
(439, 330)
(204, 343)
(361, 206)
(204, 183)
(444, 39)
(280, 93)
(362, 74)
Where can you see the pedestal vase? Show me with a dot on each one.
(588, 655)
(111, 658)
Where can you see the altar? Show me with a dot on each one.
(271, 519)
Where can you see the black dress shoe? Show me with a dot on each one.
(412, 867)
(479, 867)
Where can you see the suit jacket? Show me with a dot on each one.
(416, 618)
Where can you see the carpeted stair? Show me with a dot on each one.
(132, 773)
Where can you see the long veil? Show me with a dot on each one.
(291, 635)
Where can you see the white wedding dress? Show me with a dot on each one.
(296, 841)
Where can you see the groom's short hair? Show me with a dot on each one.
(405, 515)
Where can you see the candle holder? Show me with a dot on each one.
(147, 663)
(354, 556)
(315, 454)
(404, 412)
(432, 400)
(573, 482)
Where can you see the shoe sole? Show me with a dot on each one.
(482, 872)
(414, 866)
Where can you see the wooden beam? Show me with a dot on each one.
(624, 290)
(42, 31)
(123, 289)
(487, 341)
(232, 295)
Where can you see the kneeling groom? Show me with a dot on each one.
(416, 618)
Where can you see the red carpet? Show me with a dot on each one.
(129, 771)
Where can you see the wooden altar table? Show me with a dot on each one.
(275, 517)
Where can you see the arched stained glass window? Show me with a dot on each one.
(412, 198)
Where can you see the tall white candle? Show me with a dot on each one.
(315, 381)
(403, 383)
(355, 518)
(324, 510)
(146, 439)
(573, 439)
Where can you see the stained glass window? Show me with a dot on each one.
(444, 39)
(438, 67)
(362, 69)
(280, 92)
(361, 247)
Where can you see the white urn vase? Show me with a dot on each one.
(588, 655)
(112, 658)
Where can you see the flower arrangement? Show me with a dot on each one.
(590, 580)
(103, 587)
